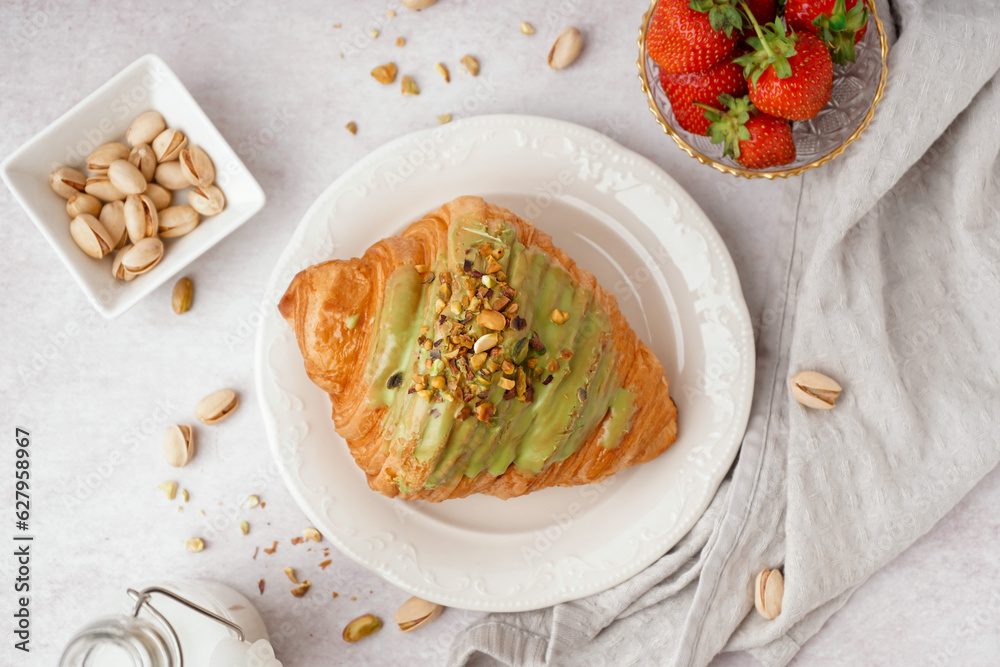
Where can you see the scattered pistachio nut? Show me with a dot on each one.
(101, 157)
(417, 5)
(409, 86)
(485, 342)
(253, 501)
(81, 203)
(180, 300)
(146, 127)
(491, 319)
(768, 591)
(352, 127)
(88, 233)
(197, 166)
(171, 176)
(195, 544)
(362, 627)
(67, 181)
(301, 589)
(566, 48)
(177, 221)
(444, 118)
(168, 145)
(184, 495)
(814, 390)
(208, 200)
(416, 613)
(141, 218)
(559, 316)
(143, 256)
(113, 219)
(160, 196)
(244, 527)
(102, 188)
(178, 445)
(143, 158)
(527, 28)
(385, 74)
(290, 573)
(312, 534)
(443, 71)
(216, 406)
(471, 64)
(169, 488)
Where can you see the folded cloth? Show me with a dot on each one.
(889, 285)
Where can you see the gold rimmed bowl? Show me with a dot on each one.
(857, 90)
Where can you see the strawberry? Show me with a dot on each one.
(681, 39)
(755, 140)
(790, 76)
(840, 26)
(683, 90)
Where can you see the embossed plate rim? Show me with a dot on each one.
(574, 576)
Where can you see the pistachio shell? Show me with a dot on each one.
(81, 203)
(769, 589)
(117, 268)
(101, 157)
(144, 159)
(67, 181)
(416, 613)
(196, 166)
(814, 390)
(177, 221)
(216, 406)
(88, 233)
(417, 5)
(208, 200)
(160, 195)
(178, 445)
(102, 188)
(146, 127)
(143, 256)
(141, 218)
(170, 176)
(566, 48)
(168, 145)
(126, 177)
(113, 219)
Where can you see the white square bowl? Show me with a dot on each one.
(102, 117)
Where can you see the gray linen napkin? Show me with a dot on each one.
(890, 284)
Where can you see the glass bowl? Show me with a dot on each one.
(857, 90)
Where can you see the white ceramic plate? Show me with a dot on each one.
(621, 217)
(102, 117)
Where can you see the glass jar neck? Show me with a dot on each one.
(123, 641)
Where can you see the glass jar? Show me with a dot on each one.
(173, 624)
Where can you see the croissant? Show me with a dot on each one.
(468, 355)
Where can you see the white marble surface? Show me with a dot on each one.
(97, 394)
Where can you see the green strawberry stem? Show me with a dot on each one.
(756, 29)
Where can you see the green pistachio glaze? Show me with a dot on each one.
(530, 435)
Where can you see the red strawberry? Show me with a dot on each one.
(755, 140)
(764, 11)
(683, 90)
(790, 76)
(681, 39)
(839, 25)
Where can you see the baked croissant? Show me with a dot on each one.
(468, 354)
